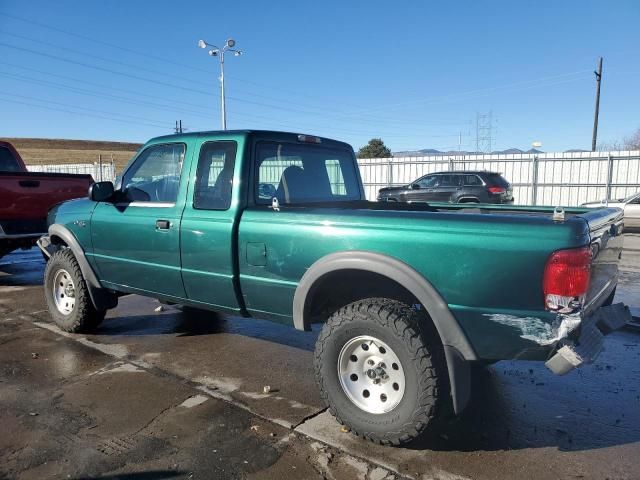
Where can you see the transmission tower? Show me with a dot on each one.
(484, 132)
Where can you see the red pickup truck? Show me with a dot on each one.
(25, 199)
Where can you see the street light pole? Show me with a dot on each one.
(222, 104)
(219, 52)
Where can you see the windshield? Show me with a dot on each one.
(302, 173)
(630, 197)
(7, 162)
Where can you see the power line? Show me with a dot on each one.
(482, 91)
(64, 104)
(81, 113)
(165, 107)
(148, 55)
(191, 81)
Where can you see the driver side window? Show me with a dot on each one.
(428, 182)
(155, 175)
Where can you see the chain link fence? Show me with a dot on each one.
(567, 179)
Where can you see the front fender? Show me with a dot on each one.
(58, 235)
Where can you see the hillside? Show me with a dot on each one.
(432, 152)
(58, 151)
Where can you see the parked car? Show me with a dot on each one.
(630, 205)
(410, 295)
(25, 198)
(473, 186)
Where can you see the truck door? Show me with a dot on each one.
(136, 238)
(208, 244)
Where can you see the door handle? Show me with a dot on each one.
(163, 224)
(29, 183)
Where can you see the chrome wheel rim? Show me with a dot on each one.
(64, 292)
(371, 374)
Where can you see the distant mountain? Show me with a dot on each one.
(433, 152)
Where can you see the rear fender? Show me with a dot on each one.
(458, 350)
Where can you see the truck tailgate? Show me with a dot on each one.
(25, 197)
(605, 228)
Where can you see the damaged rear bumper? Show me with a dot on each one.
(585, 347)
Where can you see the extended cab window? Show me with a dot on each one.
(7, 162)
(303, 173)
(214, 177)
(155, 174)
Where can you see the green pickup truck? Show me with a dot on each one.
(276, 226)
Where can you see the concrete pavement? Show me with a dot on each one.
(158, 394)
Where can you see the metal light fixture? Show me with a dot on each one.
(219, 52)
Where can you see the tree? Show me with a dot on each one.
(374, 149)
(632, 142)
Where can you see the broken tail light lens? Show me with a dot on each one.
(497, 190)
(566, 278)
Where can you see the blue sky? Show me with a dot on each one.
(413, 73)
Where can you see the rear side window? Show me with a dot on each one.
(497, 180)
(304, 173)
(7, 162)
(214, 177)
(450, 180)
(472, 181)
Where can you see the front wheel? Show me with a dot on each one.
(67, 294)
(381, 370)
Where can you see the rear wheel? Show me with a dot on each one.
(379, 371)
(67, 294)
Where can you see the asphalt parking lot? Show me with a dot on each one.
(156, 394)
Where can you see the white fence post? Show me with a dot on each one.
(534, 180)
(609, 175)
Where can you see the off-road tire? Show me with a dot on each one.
(414, 340)
(84, 317)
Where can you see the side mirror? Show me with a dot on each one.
(414, 186)
(101, 191)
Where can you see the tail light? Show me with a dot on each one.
(497, 190)
(566, 278)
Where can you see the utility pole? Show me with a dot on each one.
(594, 138)
(178, 126)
